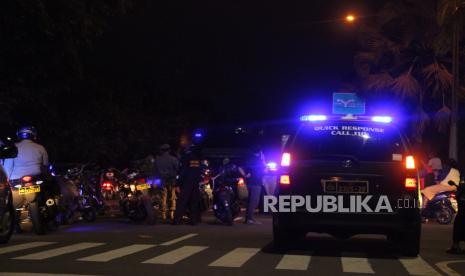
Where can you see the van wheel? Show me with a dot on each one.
(284, 239)
(410, 242)
(36, 217)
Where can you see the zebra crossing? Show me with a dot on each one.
(170, 253)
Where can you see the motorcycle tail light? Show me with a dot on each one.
(107, 185)
(26, 178)
(241, 182)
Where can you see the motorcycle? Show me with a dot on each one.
(109, 184)
(225, 203)
(136, 199)
(79, 195)
(442, 208)
(37, 198)
(206, 192)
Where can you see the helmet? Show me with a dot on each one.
(27, 132)
(165, 147)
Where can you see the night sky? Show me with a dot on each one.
(247, 60)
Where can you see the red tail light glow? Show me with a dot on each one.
(241, 182)
(410, 183)
(410, 162)
(286, 159)
(141, 180)
(284, 180)
(107, 185)
(26, 178)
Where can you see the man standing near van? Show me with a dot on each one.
(167, 166)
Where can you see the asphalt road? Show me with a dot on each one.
(114, 246)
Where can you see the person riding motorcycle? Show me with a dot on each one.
(32, 160)
(32, 157)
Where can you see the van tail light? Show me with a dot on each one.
(410, 162)
(286, 159)
(410, 183)
(284, 180)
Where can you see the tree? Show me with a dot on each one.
(406, 52)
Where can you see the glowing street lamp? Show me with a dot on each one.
(350, 18)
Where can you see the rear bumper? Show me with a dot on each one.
(348, 223)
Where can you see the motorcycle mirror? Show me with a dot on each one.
(452, 183)
(8, 151)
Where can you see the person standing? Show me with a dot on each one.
(189, 179)
(459, 222)
(255, 169)
(167, 166)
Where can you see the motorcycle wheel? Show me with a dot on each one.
(444, 216)
(7, 225)
(36, 217)
(90, 215)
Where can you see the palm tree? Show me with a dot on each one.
(406, 51)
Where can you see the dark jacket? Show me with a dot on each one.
(167, 165)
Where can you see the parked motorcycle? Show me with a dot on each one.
(37, 198)
(225, 203)
(79, 196)
(109, 184)
(442, 208)
(206, 191)
(136, 200)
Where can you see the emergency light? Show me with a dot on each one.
(382, 119)
(313, 118)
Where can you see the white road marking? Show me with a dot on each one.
(59, 251)
(23, 246)
(38, 274)
(418, 266)
(185, 237)
(356, 265)
(294, 262)
(176, 255)
(236, 258)
(117, 253)
(444, 266)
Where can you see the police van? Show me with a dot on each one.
(348, 174)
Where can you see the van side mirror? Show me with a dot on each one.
(8, 151)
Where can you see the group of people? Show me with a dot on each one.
(444, 176)
(180, 182)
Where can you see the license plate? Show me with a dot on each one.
(141, 187)
(348, 186)
(29, 190)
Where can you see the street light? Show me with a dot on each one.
(350, 18)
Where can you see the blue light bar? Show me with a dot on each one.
(313, 118)
(382, 119)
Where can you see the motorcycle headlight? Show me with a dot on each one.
(126, 186)
(133, 187)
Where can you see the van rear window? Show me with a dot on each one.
(365, 142)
